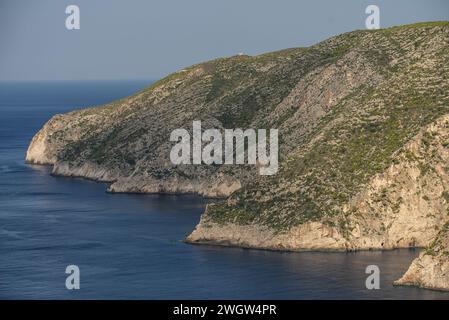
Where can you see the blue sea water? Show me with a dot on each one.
(130, 246)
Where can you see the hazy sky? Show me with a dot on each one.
(133, 39)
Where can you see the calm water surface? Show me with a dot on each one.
(130, 246)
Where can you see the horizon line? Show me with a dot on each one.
(79, 80)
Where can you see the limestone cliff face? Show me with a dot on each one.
(431, 269)
(364, 144)
(427, 272)
(40, 150)
(304, 237)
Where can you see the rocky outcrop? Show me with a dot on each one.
(431, 269)
(364, 144)
(308, 236)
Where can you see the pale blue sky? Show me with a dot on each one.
(147, 39)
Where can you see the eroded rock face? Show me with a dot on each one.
(364, 144)
(431, 269)
(308, 236)
(42, 149)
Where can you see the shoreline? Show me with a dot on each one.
(321, 250)
(110, 182)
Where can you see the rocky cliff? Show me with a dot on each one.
(431, 269)
(363, 123)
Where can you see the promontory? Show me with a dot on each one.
(363, 121)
